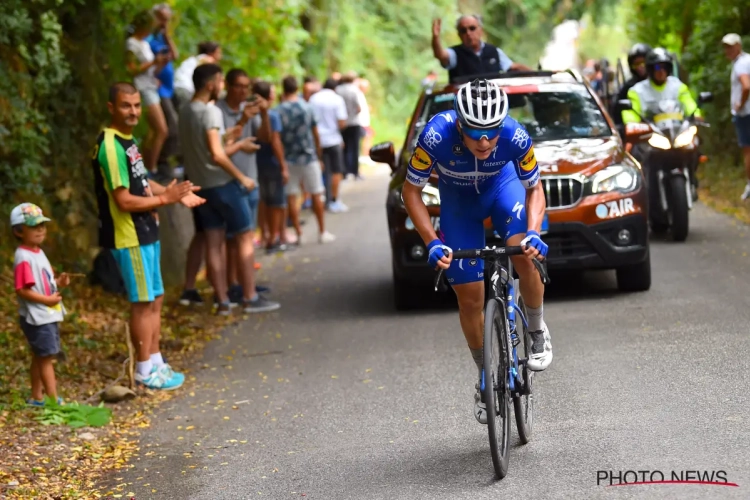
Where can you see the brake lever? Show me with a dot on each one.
(437, 279)
(542, 272)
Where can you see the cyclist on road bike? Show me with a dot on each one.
(486, 166)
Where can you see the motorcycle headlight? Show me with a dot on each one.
(659, 141)
(686, 138)
(621, 178)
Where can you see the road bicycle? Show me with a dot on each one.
(505, 375)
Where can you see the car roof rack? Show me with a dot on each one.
(516, 74)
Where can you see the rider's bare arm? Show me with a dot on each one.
(536, 204)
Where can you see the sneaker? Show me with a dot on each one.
(541, 350)
(326, 237)
(746, 192)
(259, 305)
(159, 379)
(235, 294)
(224, 309)
(39, 404)
(480, 409)
(337, 207)
(191, 298)
(168, 373)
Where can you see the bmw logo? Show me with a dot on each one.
(602, 211)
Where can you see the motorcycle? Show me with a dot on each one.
(671, 159)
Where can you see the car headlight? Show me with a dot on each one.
(686, 138)
(621, 178)
(431, 196)
(659, 142)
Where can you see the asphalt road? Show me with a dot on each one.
(339, 397)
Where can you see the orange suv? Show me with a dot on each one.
(596, 198)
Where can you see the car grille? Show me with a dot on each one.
(566, 245)
(562, 192)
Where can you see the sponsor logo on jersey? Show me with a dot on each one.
(520, 138)
(494, 163)
(457, 150)
(532, 181)
(420, 159)
(528, 162)
(415, 179)
(432, 138)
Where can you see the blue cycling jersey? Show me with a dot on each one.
(440, 146)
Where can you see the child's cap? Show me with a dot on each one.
(27, 214)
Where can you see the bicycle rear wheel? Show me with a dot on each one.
(524, 404)
(496, 392)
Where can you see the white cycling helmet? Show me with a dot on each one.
(481, 104)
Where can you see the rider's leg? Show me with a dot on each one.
(509, 220)
(461, 217)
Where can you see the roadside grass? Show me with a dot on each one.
(720, 187)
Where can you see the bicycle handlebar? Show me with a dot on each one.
(483, 253)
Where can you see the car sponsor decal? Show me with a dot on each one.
(528, 162)
(420, 160)
(616, 208)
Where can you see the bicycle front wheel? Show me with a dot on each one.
(496, 392)
(524, 404)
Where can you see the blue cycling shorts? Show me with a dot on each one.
(462, 214)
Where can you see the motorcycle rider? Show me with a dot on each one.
(659, 86)
(637, 65)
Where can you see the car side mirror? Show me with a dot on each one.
(705, 97)
(624, 104)
(384, 153)
(637, 132)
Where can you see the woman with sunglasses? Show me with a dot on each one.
(486, 168)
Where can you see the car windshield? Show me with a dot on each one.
(549, 112)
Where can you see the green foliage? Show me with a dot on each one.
(693, 29)
(605, 38)
(74, 415)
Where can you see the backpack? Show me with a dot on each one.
(106, 273)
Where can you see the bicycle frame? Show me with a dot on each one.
(499, 284)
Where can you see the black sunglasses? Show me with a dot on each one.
(464, 30)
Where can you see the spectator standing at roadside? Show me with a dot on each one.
(162, 43)
(364, 116)
(247, 117)
(740, 98)
(273, 174)
(143, 66)
(310, 85)
(40, 307)
(331, 117)
(225, 190)
(472, 56)
(353, 132)
(302, 149)
(128, 227)
(208, 53)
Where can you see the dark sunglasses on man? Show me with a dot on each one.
(464, 29)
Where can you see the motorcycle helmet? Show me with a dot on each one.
(636, 51)
(658, 56)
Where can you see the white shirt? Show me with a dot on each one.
(329, 108)
(364, 114)
(143, 53)
(740, 66)
(183, 75)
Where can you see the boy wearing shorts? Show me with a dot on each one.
(39, 302)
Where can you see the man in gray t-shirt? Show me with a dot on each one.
(740, 98)
(226, 212)
(353, 132)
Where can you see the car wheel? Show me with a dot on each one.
(636, 277)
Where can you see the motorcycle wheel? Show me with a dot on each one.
(679, 208)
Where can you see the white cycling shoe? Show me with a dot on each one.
(541, 350)
(480, 409)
